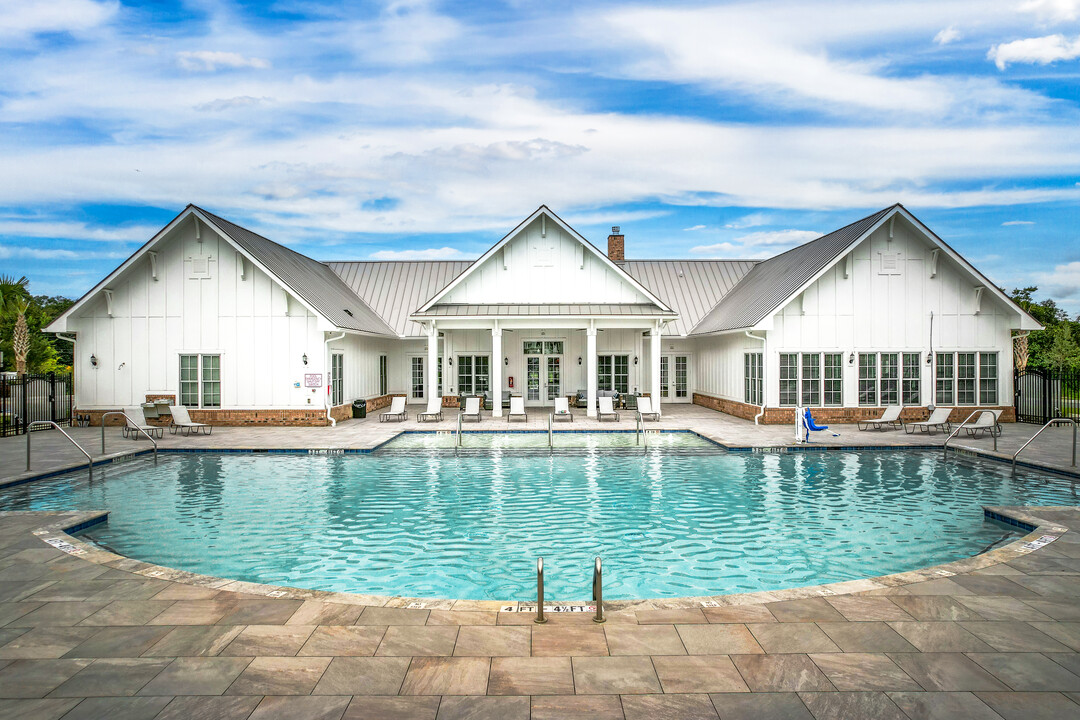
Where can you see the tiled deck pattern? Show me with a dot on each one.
(82, 639)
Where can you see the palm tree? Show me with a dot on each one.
(20, 342)
(13, 298)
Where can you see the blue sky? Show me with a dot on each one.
(426, 129)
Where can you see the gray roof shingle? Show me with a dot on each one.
(762, 290)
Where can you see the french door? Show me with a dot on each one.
(543, 376)
(675, 378)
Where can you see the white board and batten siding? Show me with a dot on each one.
(883, 304)
(198, 304)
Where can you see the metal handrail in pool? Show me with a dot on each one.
(1074, 421)
(945, 447)
(89, 460)
(598, 591)
(136, 427)
(540, 619)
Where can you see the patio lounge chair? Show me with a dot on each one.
(472, 409)
(939, 420)
(134, 421)
(397, 410)
(606, 408)
(433, 412)
(986, 422)
(890, 418)
(562, 409)
(517, 409)
(645, 409)
(182, 421)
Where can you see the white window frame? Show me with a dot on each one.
(809, 386)
(200, 380)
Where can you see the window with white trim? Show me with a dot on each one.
(973, 375)
(868, 379)
(912, 369)
(337, 379)
(613, 373)
(384, 375)
(833, 385)
(200, 381)
(890, 379)
(803, 382)
(789, 378)
(752, 378)
(945, 385)
(988, 378)
(810, 381)
(418, 377)
(965, 378)
(474, 373)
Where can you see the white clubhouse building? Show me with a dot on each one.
(243, 330)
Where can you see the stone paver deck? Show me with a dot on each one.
(87, 634)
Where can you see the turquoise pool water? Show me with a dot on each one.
(426, 523)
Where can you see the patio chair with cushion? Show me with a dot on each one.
(890, 418)
(939, 420)
(397, 410)
(182, 421)
(134, 421)
(562, 410)
(433, 412)
(517, 409)
(472, 409)
(606, 408)
(645, 409)
(986, 422)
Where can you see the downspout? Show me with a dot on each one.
(764, 364)
(326, 361)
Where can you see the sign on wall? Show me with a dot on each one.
(313, 380)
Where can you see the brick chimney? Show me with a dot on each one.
(616, 247)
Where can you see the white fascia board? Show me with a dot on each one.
(543, 210)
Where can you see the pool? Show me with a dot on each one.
(427, 523)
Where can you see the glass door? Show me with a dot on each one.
(554, 376)
(532, 378)
(675, 378)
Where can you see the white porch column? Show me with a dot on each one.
(590, 370)
(496, 371)
(432, 361)
(654, 368)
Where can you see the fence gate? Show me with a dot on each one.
(1042, 395)
(27, 398)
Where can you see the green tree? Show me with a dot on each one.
(1063, 353)
(43, 353)
(1041, 342)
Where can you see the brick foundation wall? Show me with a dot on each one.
(841, 415)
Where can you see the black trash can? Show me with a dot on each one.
(359, 408)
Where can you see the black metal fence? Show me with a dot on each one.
(27, 398)
(1042, 395)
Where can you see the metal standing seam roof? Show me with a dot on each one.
(773, 281)
(692, 287)
(394, 289)
(540, 310)
(309, 279)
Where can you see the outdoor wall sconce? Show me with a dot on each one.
(579, 360)
(851, 359)
(635, 359)
(93, 360)
(449, 361)
(304, 358)
(929, 358)
(506, 361)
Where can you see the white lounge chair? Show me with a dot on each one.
(606, 408)
(986, 422)
(472, 409)
(134, 421)
(562, 409)
(517, 408)
(889, 418)
(182, 421)
(939, 420)
(645, 409)
(397, 410)
(433, 412)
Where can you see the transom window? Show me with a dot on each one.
(542, 347)
(613, 373)
(200, 381)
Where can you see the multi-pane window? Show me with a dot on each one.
(681, 386)
(664, 374)
(945, 388)
(965, 378)
(418, 378)
(811, 379)
(988, 379)
(200, 380)
(613, 373)
(337, 379)
(789, 378)
(833, 385)
(912, 367)
(868, 379)
(542, 347)
(474, 373)
(890, 379)
(384, 375)
(752, 378)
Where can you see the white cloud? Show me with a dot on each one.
(1040, 50)
(778, 237)
(443, 253)
(717, 250)
(1062, 282)
(1009, 223)
(211, 60)
(1053, 10)
(948, 35)
(7, 252)
(22, 17)
(221, 104)
(748, 221)
(695, 227)
(45, 228)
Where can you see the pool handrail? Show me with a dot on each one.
(957, 429)
(639, 432)
(135, 427)
(598, 591)
(540, 619)
(459, 430)
(1074, 421)
(89, 459)
(551, 419)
